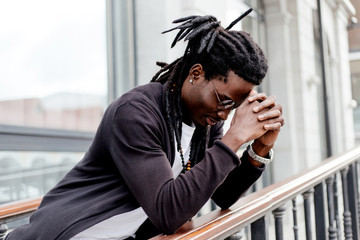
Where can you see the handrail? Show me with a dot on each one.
(247, 210)
(19, 207)
(253, 206)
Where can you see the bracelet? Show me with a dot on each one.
(258, 158)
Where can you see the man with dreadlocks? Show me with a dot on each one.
(159, 153)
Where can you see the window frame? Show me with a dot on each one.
(19, 138)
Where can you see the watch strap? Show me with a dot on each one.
(264, 160)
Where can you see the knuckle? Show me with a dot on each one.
(272, 97)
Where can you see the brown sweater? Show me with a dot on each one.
(129, 165)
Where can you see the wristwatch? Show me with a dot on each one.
(256, 157)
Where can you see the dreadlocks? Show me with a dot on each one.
(218, 50)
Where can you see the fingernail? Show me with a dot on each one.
(256, 109)
(261, 117)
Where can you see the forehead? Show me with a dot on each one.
(235, 87)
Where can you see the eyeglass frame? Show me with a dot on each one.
(226, 104)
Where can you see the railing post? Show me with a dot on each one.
(3, 230)
(352, 179)
(320, 210)
(259, 229)
(295, 227)
(307, 211)
(331, 211)
(235, 236)
(347, 214)
(278, 215)
(336, 207)
(357, 166)
(357, 175)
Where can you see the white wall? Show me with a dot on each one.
(296, 82)
(293, 77)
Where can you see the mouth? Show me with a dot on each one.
(211, 121)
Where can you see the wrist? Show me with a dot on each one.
(261, 149)
(233, 142)
(260, 159)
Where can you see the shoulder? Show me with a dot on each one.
(145, 98)
(142, 104)
(150, 94)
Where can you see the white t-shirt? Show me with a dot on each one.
(124, 225)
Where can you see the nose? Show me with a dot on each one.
(223, 114)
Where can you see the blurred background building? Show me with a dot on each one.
(354, 48)
(62, 62)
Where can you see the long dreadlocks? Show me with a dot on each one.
(218, 50)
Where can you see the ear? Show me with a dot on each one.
(196, 71)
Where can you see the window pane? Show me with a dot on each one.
(53, 63)
(356, 97)
(31, 174)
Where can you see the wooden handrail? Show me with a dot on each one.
(247, 210)
(19, 207)
(254, 206)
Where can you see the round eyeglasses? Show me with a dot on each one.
(226, 104)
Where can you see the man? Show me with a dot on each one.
(159, 153)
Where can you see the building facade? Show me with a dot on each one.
(306, 43)
(354, 47)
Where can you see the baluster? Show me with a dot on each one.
(307, 210)
(295, 227)
(278, 216)
(3, 230)
(357, 175)
(336, 207)
(259, 229)
(353, 199)
(320, 211)
(330, 196)
(235, 236)
(347, 214)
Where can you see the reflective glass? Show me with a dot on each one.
(26, 175)
(53, 63)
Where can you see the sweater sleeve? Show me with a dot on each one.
(237, 183)
(239, 180)
(136, 145)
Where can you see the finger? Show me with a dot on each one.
(269, 115)
(252, 93)
(273, 126)
(282, 122)
(275, 123)
(268, 102)
(257, 97)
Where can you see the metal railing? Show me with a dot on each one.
(328, 194)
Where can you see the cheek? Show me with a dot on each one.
(198, 106)
(203, 103)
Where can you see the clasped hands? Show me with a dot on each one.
(258, 118)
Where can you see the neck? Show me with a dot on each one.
(186, 117)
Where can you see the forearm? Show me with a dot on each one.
(237, 183)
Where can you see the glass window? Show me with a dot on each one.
(53, 63)
(31, 174)
(356, 96)
(53, 90)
